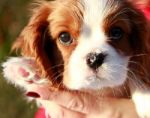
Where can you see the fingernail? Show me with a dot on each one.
(33, 94)
(30, 81)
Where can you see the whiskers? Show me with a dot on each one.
(134, 77)
(139, 55)
(143, 66)
(57, 71)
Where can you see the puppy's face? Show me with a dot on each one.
(99, 59)
(93, 40)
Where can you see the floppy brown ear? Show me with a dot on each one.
(140, 41)
(32, 38)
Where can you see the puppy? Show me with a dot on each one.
(84, 45)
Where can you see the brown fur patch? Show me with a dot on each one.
(135, 42)
(39, 39)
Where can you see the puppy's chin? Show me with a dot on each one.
(94, 83)
(99, 87)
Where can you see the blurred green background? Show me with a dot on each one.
(13, 17)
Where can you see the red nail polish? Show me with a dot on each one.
(30, 81)
(33, 94)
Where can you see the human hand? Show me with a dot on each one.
(66, 104)
(69, 105)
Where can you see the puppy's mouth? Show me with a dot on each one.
(94, 77)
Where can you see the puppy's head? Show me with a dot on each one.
(87, 44)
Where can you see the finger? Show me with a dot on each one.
(74, 101)
(78, 102)
(38, 91)
(70, 100)
(55, 111)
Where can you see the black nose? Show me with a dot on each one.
(95, 60)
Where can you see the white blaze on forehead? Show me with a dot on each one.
(95, 12)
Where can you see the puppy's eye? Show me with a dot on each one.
(116, 33)
(65, 38)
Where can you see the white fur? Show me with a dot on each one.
(113, 72)
(97, 10)
(142, 102)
